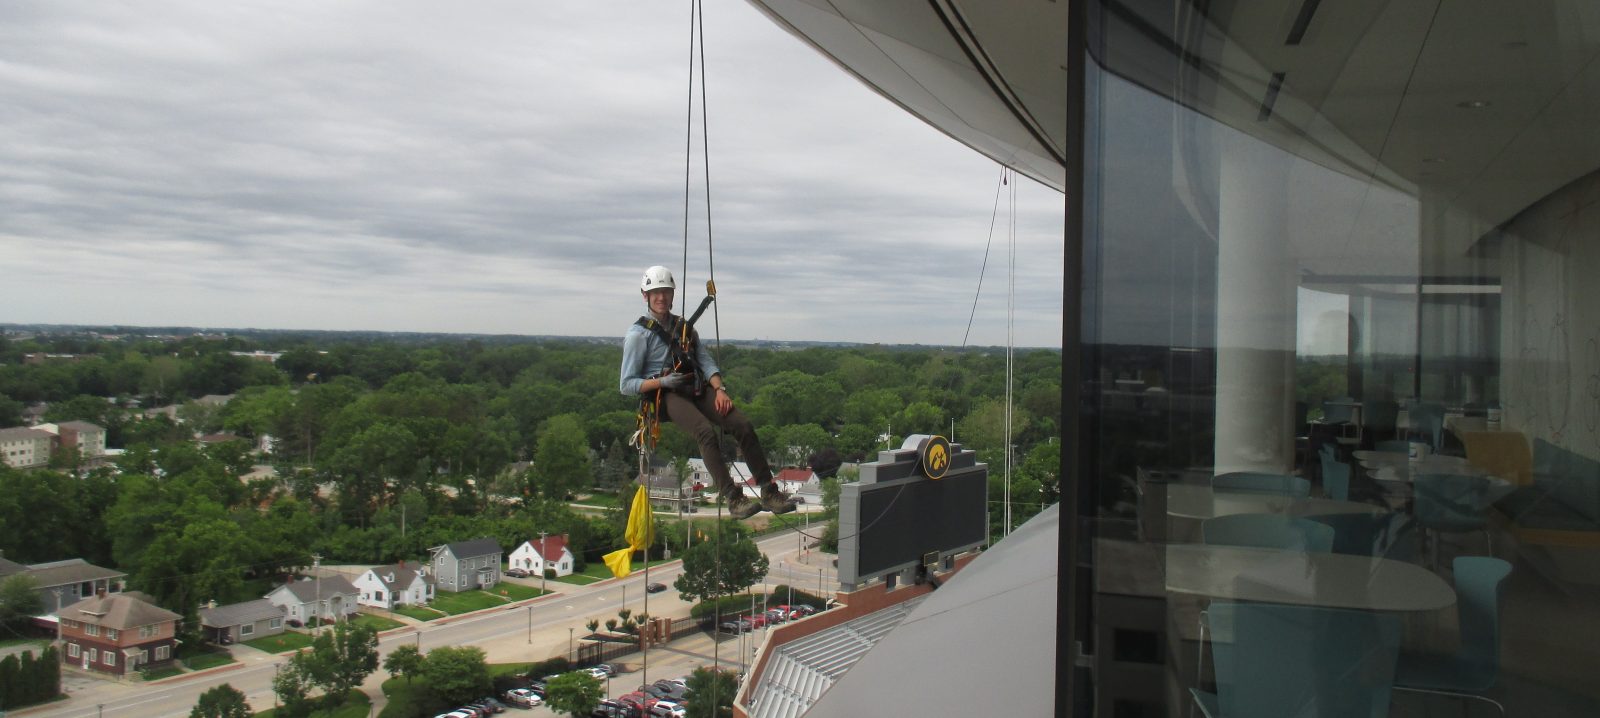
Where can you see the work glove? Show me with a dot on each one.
(676, 381)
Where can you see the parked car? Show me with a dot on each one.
(756, 621)
(735, 626)
(607, 667)
(518, 572)
(495, 704)
(673, 691)
(455, 714)
(667, 709)
(655, 588)
(485, 708)
(523, 698)
(598, 672)
(655, 691)
(775, 615)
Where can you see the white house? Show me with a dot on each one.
(330, 598)
(550, 552)
(700, 478)
(392, 585)
(800, 483)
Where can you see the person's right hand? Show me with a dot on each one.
(675, 381)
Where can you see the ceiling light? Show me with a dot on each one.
(1433, 160)
(1473, 104)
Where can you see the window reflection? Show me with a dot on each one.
(1343, 356)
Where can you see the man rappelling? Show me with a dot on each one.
(664, 362)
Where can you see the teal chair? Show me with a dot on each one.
(1289, 533)
(1448, 503)
(1427, 420)
(1359, 534)
(1263, 483)
(1274, 661)
(1475, 667)
(1335, 478)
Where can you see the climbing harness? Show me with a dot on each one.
(681, 349)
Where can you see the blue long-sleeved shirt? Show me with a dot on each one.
(645, 355)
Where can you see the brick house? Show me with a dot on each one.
(117, 634)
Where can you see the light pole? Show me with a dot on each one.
(570, 657)
(544, 559)
(530, 624)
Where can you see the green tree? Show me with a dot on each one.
(11, 683)
(10, 412)
(224, 701)
(575, 693)
(19, 599)
(456, 673)
(342, 658)
(712, 569)
(710, 693)
(405, 660)
(561, 461)
(293, 684)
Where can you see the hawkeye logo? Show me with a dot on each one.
(935, 457)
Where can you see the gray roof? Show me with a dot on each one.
(17, 433)
(402, 575)
(115, 610)
(990, 629)
(237, 614)
(72, 570)
(80, 426)
(307, 590)
(473, 548)
(10, 567)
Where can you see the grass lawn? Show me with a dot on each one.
(207, 660)
(421, 613)
(607, 500)
(515, 591)
(376, 623)
(356, 705)
(599, 572)
(38, 643)
(456, 604)
(580, 579)
(286, 641)
(161, 673)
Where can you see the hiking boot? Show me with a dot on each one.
(773, 499)
(742, 507)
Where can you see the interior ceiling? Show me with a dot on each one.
(1478, 109)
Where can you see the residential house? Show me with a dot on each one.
(466, 565)
(63, 583)
(802, 484)
(665, 493)
(117, 634)
(23, 448)
(87, 438)
(536, 555)
(328, 599)
(700, 478)
(236, 622)
(400, 584)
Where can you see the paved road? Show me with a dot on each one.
(535, 630)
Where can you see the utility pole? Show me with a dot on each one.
(316, 562)
(544, 560)
(530, 624)
(570, 657)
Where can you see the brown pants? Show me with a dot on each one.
(699, 417)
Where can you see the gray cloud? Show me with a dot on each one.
(497, 167)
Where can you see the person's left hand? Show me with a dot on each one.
(723, 402)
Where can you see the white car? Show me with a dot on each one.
(524, 697)
(455, 714)
(598, 672)
(667, 709)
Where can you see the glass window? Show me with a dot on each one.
(275, 623)
(73, 651)
(112, 634)
(163, 652)
(248, 629)
(1342, 352)
(110, 658)
(91, 629)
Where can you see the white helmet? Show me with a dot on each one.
(657, 277)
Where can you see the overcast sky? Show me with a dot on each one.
(495, 167)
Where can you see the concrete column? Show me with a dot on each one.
(1256, 308)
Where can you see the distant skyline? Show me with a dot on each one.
(495, 168)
